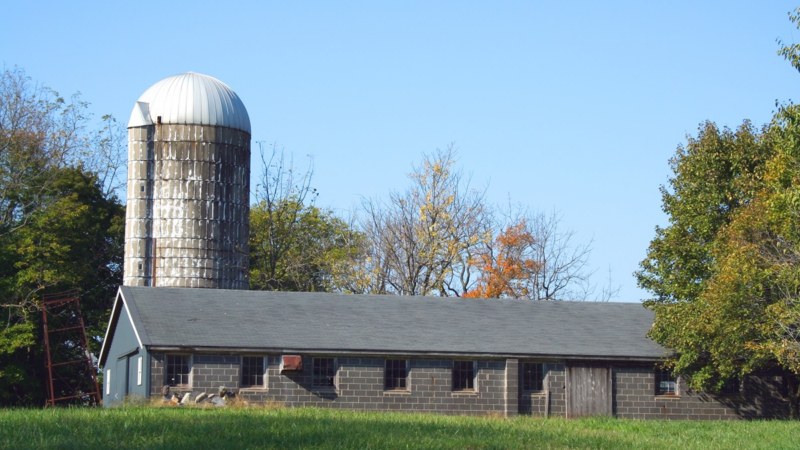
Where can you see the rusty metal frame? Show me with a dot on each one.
(67, 304)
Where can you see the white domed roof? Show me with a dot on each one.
(190, 98)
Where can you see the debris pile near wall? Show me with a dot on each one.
(195, 398)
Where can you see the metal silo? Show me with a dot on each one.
(188, 186)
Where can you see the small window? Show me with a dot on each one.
(324, 372)
(463, 375)
(396, 374)
(139, 371)
(732, 387)
(140, 266)
(666, 382)
(532, 376)
(253, 371)
(107, 382)
(141, 188)
(178, 370)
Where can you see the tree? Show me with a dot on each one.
(318, 250)
(294, 245)
(535, 258)
(39, 132)
(724, 272)
(714, 174)
(423, 241)
(60, 228)
(507, 267)
(74, 241)
(791, 52)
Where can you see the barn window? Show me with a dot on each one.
(532, 376)
(139, 371)
(324, 372)
(107, 381)
(253, 369)
(464, 375)
(666, 382)
(732, 387)
(178, 370)
(396, 374)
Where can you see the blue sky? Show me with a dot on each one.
(572, 106)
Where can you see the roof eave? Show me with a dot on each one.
(368, 352)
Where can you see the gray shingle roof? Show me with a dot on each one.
(318, 322)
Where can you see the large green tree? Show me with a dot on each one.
(60, 227)
(310, 253)
(294, 245)
(74, 241)
(725, 273)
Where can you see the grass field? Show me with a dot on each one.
(194, 428)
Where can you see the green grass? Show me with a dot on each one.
(300, 428)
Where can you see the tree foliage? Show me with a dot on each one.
(75, 242)
(507, 267)
(295, 246)
(60, 227)
(441, 237)
(422, 241)
(725, 271)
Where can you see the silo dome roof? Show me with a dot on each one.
(192, 99)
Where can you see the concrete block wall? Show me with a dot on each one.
(634, 398)
(157, 373)
(359, 384)
(535, 403)
(209, 372)
(360, 381)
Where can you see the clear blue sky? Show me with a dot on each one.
(575, 106)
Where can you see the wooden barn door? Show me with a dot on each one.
(588, 390)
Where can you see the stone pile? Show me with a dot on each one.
(199, 398)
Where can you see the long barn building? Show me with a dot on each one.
(187, 231)
(412, 354)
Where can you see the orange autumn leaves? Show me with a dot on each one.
(506, 266)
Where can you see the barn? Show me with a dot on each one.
(412, 354)
(185, 320)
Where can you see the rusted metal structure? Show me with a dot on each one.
(71, 373)
(188, 186)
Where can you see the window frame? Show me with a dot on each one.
(661, 376)
(458, 371)
(732, 387)
(189, 360)
(334, 366)
(405, 378)
(541, 379)
(139, 367)
(263, 374)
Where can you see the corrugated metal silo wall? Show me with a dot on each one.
(187, 221)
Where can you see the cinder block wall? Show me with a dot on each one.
(359, 385)
(634, 398)
(536, 403)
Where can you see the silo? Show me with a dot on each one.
(188, 186)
